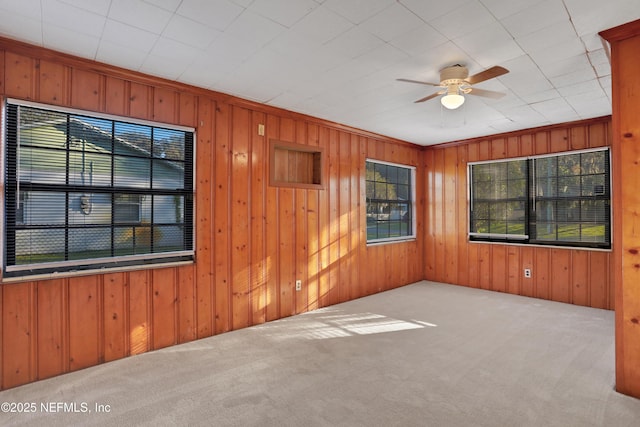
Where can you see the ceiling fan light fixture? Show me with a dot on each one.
(452, 101)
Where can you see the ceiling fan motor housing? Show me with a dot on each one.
(453, 75)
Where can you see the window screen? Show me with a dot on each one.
(84, 191)
(389, 190)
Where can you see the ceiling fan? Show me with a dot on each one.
(456, 82)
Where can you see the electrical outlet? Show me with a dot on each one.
(527, 273)
(298, 285)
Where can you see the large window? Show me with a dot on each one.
(390, 207)
(560, 199)
(85, 192)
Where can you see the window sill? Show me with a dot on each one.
(407, 239)
(94, 271)
(533, 245)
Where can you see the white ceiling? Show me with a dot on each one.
(339, 59)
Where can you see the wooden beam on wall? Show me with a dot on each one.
(625, 62)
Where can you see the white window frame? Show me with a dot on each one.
(412, 184)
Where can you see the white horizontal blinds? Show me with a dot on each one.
(559, 199)
(82, 188)
(499, 198)
(40, 234)
(572, 198)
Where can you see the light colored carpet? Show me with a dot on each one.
(426, 354)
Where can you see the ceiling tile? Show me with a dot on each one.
(504, 8)
(287, 99)
(178, 52)
(595, 107)
(170, 5)
(525, 114)
(602, 69)
(100, 7)
(592, 16)
(75, 44)
(27, 9)
(65, 16)
(565, 66)
(545, 93)
(284, 12)
(159, 66)
(213, 13)
(558, 52)
(558, 32)
(211, 68)
(321, 25)
(291, 43)
(381, 57)
(318, 60)
(419, 40)
(605, 82)
(578, 100)
(265, 68)
(189, 32)
(598, 56)
(120, 55)
(358, 11)
(243, 3)
(254, 28)
(464, 20)
(139, 14)
(392, 22)
(540, 15)
(231, 49)
(22, 28)
(428, 10)
(555, 107)
(589, 86)
(125, 35)
(593, 41)
(486, 36)
(353, 43)
(490, 45)
(578, 76)
(497, 55)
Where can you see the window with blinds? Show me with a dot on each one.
(85, 192)
(389, 198)
(560, 199)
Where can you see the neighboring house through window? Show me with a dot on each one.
(84, 191)
(127, 208)
(390, 198)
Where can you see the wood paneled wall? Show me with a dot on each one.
(580, 277)
(625, 60)
(252, 240)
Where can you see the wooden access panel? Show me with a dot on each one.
(296, 165)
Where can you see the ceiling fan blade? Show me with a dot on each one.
(419, 82)
(433, 95)
(486, 93)
(487, 74)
